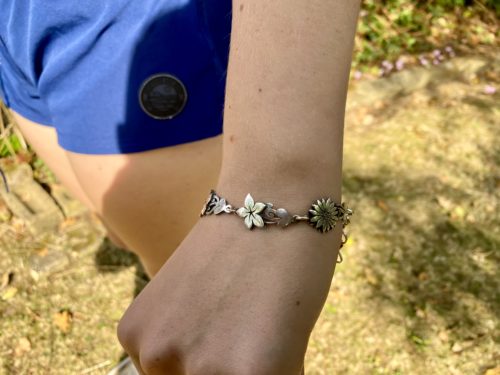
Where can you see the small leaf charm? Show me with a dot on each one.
(214, 205)
(250, 212)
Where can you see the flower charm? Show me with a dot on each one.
(251, 212)
(323, 215)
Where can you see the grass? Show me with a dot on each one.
(390, 29)
(418, 291)
(11, 140)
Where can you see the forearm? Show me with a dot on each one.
(285, 99)
(283, 126)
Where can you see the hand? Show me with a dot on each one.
(232, 301)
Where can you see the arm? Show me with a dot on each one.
(235, 301)
(285, 99)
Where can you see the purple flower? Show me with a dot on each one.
(436, 53)
(489, 89)
(435, 62)
(423, 60)
(450, 51)
(400, 64)
(357, 75)
(387, 66)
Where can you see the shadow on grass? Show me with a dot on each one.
(429, 261)
(110, 258)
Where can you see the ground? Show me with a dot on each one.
(417, 293)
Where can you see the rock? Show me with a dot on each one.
(382, 89)
(366, 93)
(28, 201)
(49, 261)
(412, 79)
(467, 67)
(70, 206)
(458, 347)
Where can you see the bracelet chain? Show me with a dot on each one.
(323, 214)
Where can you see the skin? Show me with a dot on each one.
(145, 209)
(234, 301)
(230, 300)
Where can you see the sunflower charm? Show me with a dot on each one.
(251, 212)
(324, 214)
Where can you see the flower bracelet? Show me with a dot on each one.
(323, 214)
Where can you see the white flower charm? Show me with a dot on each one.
(251, 212)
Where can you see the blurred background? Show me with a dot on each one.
(418, 291)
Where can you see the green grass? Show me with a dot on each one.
(390, 28)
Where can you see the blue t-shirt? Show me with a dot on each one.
(117, 76)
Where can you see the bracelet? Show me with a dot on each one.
(323, 214)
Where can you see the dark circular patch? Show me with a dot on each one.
(162, 96)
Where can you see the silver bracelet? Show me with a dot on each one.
(323, 214)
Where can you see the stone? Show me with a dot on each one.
(467, 67)
(28, 201)
(49, 261)
(70, 206)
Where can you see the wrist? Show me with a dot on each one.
(272, 240)
(323, 214)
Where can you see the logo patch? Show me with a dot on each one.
(162, 96)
